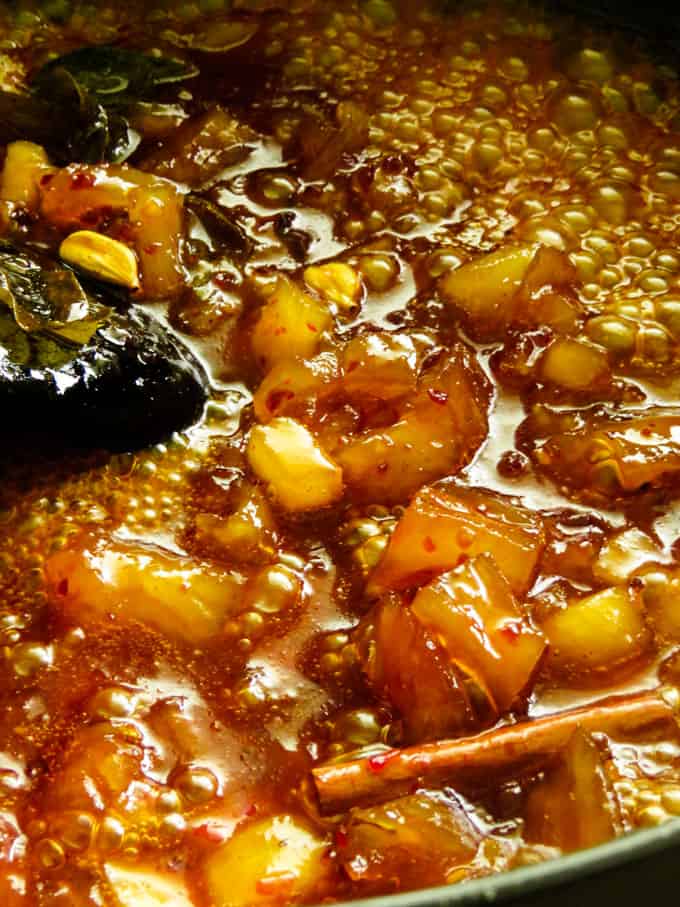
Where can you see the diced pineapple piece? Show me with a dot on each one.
(661, 599)
(177, 596)
(472, 612)
(484, 288)
(547, 297)
(598, 632)
(438, 433)
(389, 464)
(574, 365)
(623, 554)
(380, 365)
(606, 457)
(133, 886)
(292, 388)
(200, 148)
(405, 666)
(336, 282)
(299, 473)
(25, 164)
(418, 840)
(573, 805)
(102, 763)
(247, 535)
(441, 528)
(280, 860)
(158, 217)
(290, 325)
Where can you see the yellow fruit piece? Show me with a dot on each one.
(574, 365)
(102, 257)
(178, 596)
(290, 325)
(623, 554)
(440, 529)
(597, 632)
(472, 612)
(298, 472)
(134, 887)
(25, 163)
(661, 598)
(275, 861)
(484, 287)
(337, 282)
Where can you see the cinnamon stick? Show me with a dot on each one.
(473, 760)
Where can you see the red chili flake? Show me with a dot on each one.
(62, 586)
(511, 630)
(250, 810)
(81, 179)
(212, 833)
(441, 398)
(46, 179)
(429, 545)
(312, 327)
(279, 331)
(377, 763)
(152, 248)
(276, 398)
(381, 467)
(341, 838)
(276, 884)
(223, 280)
(352, 365)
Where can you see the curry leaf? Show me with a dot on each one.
(48, 301)
(114, 74)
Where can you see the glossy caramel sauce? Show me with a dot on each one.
(403, 141)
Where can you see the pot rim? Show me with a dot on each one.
(501, 887)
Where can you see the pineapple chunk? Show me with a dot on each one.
(573, 805)
(133, 886)
(200, 148)
(336, 282)
(290, 325)
(438, 433)
(440, 528)
(298, 472)
(484, 288)
(404, 665)
(596, 633)
(389, 464)
(661, 598)
(547, 297)
(380, 365)
(177, 596)
(472, 612)
(574, 365)
(419, 840)
(157, 213)
(25, 164)
(292, 388)
(247, 535)
(606, 456)
(623, 554)
(276, 861)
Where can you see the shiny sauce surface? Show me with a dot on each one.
(429, 261)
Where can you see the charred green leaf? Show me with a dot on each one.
(114, 75)
(48, 301)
